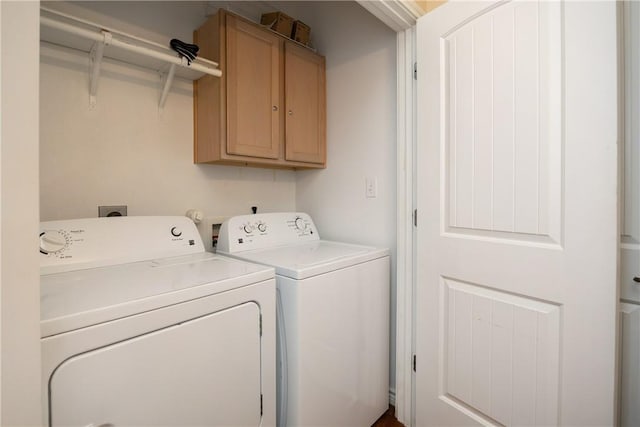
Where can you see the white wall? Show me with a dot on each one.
(361, 131)
(124, 151)
(19, 278)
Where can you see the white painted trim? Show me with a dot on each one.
(1, 287)
(397, 14)
(21, 387)
(405, 242)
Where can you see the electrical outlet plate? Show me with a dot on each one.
(207, 229)
(119, 210)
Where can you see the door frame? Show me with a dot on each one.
(405, 230)
(20, 386)
(401, 16)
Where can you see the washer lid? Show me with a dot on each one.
(313, 258)
(77, 299)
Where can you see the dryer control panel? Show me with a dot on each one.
(266, 230)
(97, 242)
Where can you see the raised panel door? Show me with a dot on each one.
(516, 176)
(254, 64)
(305, 102)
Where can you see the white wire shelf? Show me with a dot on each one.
(103, 42)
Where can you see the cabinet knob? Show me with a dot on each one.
(290, 113)
(275, 108)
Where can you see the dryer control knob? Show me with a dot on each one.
(262, 227)
(176, 232)
(300, 225)
(248, 228)
(52, 241)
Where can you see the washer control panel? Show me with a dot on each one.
(96, 242)
(259, 231)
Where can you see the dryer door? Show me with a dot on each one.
(205, 371)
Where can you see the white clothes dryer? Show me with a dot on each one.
(141, 326)
(333, 318)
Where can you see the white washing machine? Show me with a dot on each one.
(141, 326)
(333, 318)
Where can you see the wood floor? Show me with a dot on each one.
(388, 419)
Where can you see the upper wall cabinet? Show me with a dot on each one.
(269, 107)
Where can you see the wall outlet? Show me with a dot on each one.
(209, 229)
(120, 210)
(215, 232)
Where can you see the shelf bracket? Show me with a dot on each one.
(96, 55)
(167, 81)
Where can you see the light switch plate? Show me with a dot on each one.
(371, 190)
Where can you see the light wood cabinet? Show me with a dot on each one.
(269, 107)
(306, 107)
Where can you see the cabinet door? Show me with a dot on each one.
(305, 101)
(254, 83)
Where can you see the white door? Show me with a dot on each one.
(516, 250)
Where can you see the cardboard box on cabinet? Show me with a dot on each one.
(278, 22)
(301, 32)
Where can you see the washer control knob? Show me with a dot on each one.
(52, 241)
(300, 225)
(176, 232)
(262, 227)
(248, 228)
